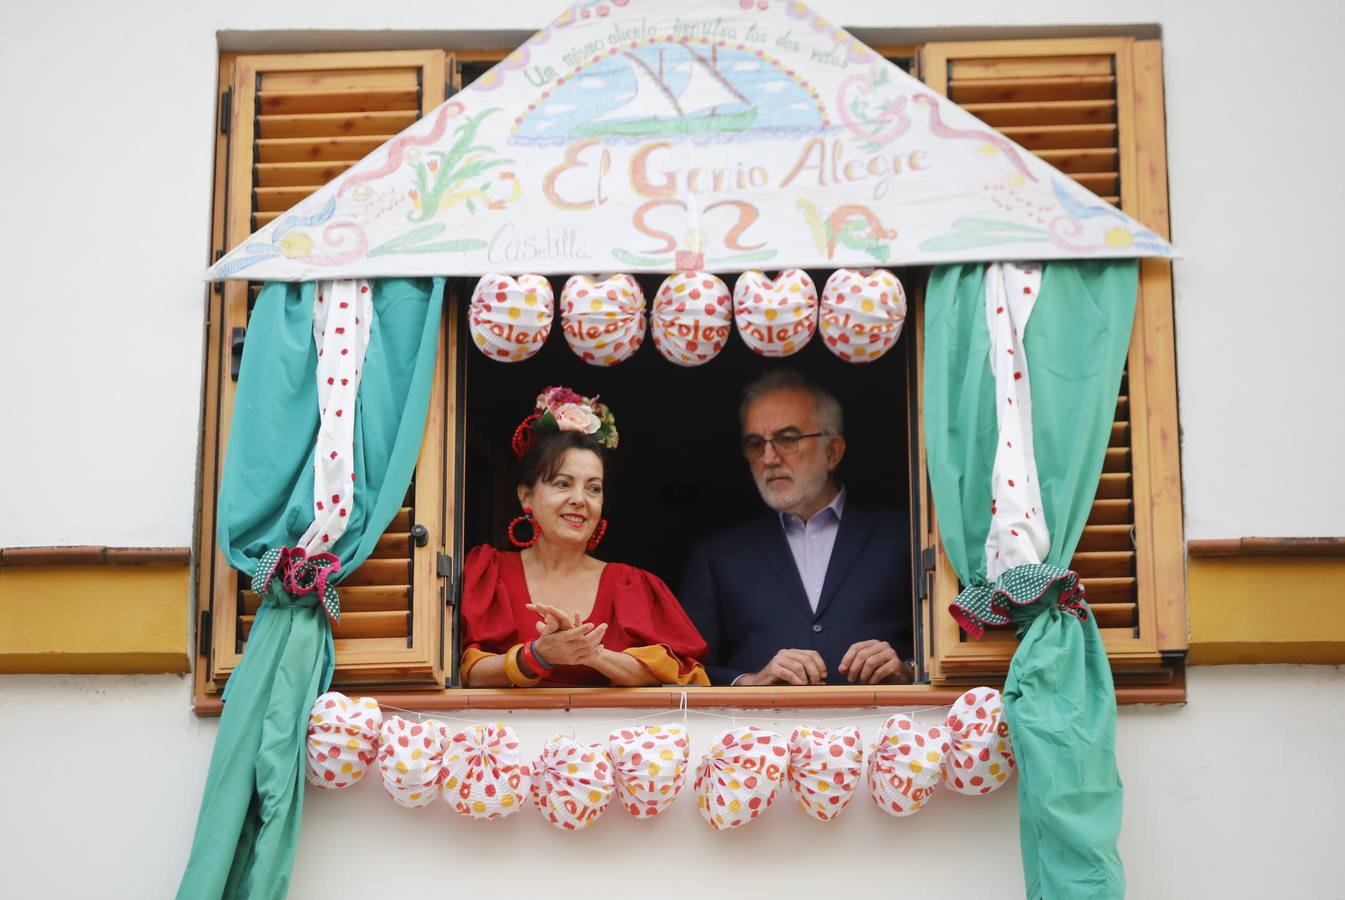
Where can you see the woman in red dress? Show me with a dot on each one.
(552, 614)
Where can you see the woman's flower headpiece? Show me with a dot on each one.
(561, 409)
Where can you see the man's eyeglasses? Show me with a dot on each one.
(786, 444)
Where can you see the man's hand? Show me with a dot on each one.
(801, 667)
(874, 662)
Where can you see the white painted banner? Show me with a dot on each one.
(722, 135)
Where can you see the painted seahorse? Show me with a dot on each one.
(852, 224)
(939, 129)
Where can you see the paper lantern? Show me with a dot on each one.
(510, 318)
(862, 313)
(411, 759)
(692, 318)
(485, 776)
(650, 765)
(980, 755)
(825, 767)
(904, 764)
(343, 737)
(603, 317)
(572, 783)
(775, 318)
(739, 775)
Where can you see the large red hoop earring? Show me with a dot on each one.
(526, 517)
(594, 541)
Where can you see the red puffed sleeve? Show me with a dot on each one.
(488, 626)
(660, 632)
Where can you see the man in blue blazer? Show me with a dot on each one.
(817, 591)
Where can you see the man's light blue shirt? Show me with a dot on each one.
(811, 544)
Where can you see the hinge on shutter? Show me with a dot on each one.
(928, 561)
(203, 634)
(236, 341)
(454, 79)
(226, 109)
(444, 569)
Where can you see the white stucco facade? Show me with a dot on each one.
(1236, 795)
(107, 211)
(105, 217)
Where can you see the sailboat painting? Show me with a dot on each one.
(675, 89)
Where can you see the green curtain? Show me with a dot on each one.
(248, 827)
(1059, 698)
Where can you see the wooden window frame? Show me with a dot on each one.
(1149, 670)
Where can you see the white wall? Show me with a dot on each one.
(1237, 795)
(104, 212)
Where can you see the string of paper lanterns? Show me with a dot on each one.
(482, 773)
(860, 315)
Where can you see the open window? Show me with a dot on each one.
(1091, 107)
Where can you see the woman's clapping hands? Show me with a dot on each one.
(562, 639)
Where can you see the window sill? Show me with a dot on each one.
(826, 697)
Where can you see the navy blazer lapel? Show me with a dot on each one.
(770, 536)
(851, 539)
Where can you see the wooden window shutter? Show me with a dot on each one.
(289, 124)
(1093, 108)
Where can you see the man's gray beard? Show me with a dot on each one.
(802, 490)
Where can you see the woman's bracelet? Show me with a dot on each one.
(534, 660)
(514, 672)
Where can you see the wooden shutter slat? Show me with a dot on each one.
(1114, 615)
(1047, 137)
(379, 571)
(298, 174)
(279, 199)
(1079, 161)
(1104, 537)
(337, 149)
(339, 80)
(1120, 434)
(1117, 460)
(335, 124)
(1114, 486)
(1110, 590)
(358, 625)
(1019, 90)
(1102, 184)
(392, 544)
(1061, 112)
(1111, 512)
(1031, 67)
(328, 101)
(1103, 564)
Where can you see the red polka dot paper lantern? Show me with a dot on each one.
(343, 738)
(692, 318)
(775, 317)
(904, 764)
(485, 776)
(825, 767)
(650, 764)
(510, 318)
(739, 776)
(980, 756)
(603, 317)
(863, 311)
(572, 783)
(411, 760)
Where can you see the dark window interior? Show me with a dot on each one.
(677, 474)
